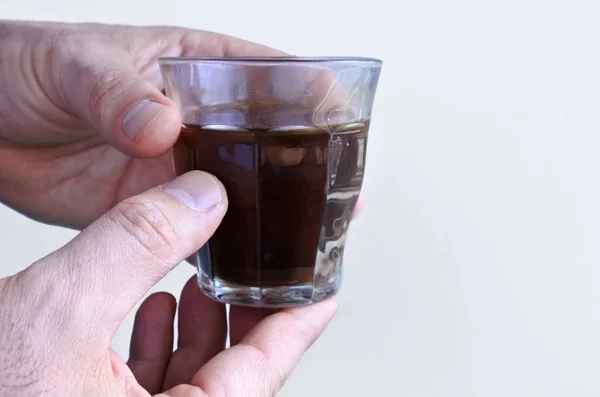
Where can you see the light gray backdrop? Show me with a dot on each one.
(474, 268)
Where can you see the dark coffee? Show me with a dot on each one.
(291, 195)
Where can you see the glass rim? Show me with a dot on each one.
(269, 60)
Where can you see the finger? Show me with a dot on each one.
(127, 110)
(152, 341)
(359, 206)
(262, 361)
(321, 94)
(110, 265)
(184, 391)
(283, 156)
(203, 43)
(172, 42)
(202, 334)
(243, 319)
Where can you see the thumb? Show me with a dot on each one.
(110, 265)
(126, 109)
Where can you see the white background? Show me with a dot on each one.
(473, 270)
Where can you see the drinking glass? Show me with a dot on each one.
(287, 137)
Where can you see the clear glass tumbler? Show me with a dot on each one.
(287, 138)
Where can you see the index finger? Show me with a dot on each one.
(262, 361)
(203, 43)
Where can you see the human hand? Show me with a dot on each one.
(58, 316)
(266, 345)
(83, 122)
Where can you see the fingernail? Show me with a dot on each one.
(141, 116)
(198, 190)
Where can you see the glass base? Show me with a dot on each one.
(268, 297)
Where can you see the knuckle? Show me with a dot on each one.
(148, 225)
(106, 88)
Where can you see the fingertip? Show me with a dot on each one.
(331, 306)
(162, 301)
(152, 340)
(191, 283)
(327, 308)
(150, 128)
(359, 206)
(192, 296)
(153, 326)
(159, 307)
(321, 313)
(199, 191)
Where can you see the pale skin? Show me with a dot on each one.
(85, 142)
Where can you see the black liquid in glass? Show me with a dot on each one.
(291, 191)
